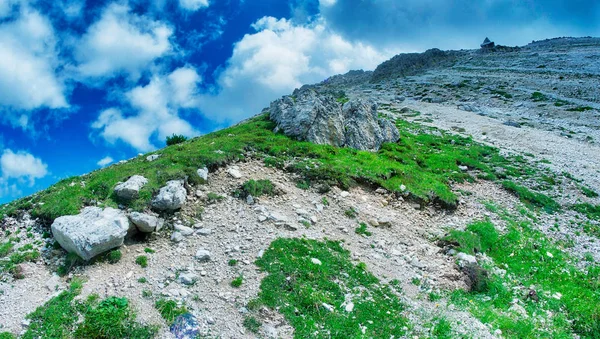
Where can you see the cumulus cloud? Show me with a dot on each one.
(422, 24)
(193, 5)
(279, 57)
(29, 59)
(105, 161)
(122, 42)
(22, 165)
(153, 111)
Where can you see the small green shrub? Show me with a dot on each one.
(442, 329)
(142, 260)
(7, 335)
(71, 261)
(214, 197)
(169, 310)
(232, 262)
(324, 201)
(531, 198)
(537, 96)
(351, 213)
(257, 188)
(114, 256)
(149, 250)
(362, 230)
(252, 324)
(142, 280)
(478, 278)
(176, 139)
(237, 282)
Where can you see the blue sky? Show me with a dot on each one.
(84, 84)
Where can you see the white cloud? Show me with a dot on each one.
(155, 111)
(327, 3)
(193, 5)
(105, 161)
(279, 57)
(122, 42)
(29, 59)
(22, 165)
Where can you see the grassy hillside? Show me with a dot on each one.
(422, 165)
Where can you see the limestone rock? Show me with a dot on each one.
(203, 173)
(92, 232)
(234, 172)
(321, 119)
(131, 188)
(146, 223)
(171, 197)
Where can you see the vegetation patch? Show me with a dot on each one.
(422, 164)
(176, 139)
(255, 188)
(530, 198)
(11, 257)
(323, 295)
(362, 230)
(109, 318)
(542, 294)
(170, 310)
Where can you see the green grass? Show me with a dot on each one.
(424, 160)
(351, 213)
(531, 259)
(232, 262)
(110, 318)
(169, 310)
(149, 250)
(175, 139)
(7, 335)
(537, 97)
(592, 212)
(532, 198)
(213, 198)
(114, 256)
(362, 230)
(237, 282)
(588, 192)
(256, 188)
(442, 329)
(304, 292)
(252, 324)
(580, 109)
(11, 257)
(142, 260)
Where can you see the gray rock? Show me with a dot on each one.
(171, 197)
(321, 119)
(204, 231)
(184, 230)
(234, 172)
(130, 189)
(152, 157)
(146, 223)
(188, 278)
(203, 173)
(250, 200)
(202, 255)
(92, 232)
(466, 258)
(176, 237)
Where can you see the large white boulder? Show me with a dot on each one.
(146, 223)
(170, 197)
(92, 232)
(131, 188)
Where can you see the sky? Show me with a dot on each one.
(85, 84)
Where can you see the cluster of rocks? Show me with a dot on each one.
(322, 119)
(96, 230)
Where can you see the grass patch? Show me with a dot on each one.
(537, 97)
(580, 109)
(592, 212)
(255, 188)
(530, 198)
(232, 262)
(252, 324)
(176, 139)
(588, 192)
(311, 296)
(142, 260)
(114, 256)
(237, 282)
(531, 260)
(442, 329)
(362, 230)
(109, 318)
(169, 310)
(11, 257)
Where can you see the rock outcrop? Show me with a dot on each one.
(322, 119)
(487, 43)
(92, 232)
(170, 197)
(414, 63)
(130, 189)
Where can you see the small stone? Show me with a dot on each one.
(466, 258)
(184, 230)
(262, 218)
(314, 219)
(234, 172)
(344, 194)
(204, 231)
(202, 255)
(385, 222)
(463, 168)
(176, 237)
(152, 157)
(250, 200)
(402, 188)
(316, 261)
(203, 173)
(373, 222)
(349, 307)
(188, 278)
(327, 307)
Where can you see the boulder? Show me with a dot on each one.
(92, 232)
(321, 119)
(146, 223)
(203, 173)
(170, 197)
(130, 189)
(487, 43)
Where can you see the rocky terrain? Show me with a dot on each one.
(444, 195)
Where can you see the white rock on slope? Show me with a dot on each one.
(170, 197)
(92, 232)
(131, 188)
(146, 223)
